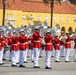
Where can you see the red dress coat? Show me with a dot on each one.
(23, 40)
(4, 41)
(49, 42)
(1, 43)
(32, 41)
(56, 44)
(37, 41)
(9, 41)
(61, 42)
(15, 46)
(75, 43)
(68, 42)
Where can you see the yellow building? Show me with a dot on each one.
(24, 12)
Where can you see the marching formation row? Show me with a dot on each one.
(19, 47)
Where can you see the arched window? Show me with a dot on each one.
(23, 17)
(63, 29)
(61, 19)
(74, 19)
(31, 17)
(54, 19)
(46, 18)
(39, 18)
(67, 19)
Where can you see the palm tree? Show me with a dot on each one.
(51, 6)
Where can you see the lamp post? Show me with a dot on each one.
(4, 6)
(51, 5)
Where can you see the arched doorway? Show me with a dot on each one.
(70, 29)
(63, 29)
(75, 30)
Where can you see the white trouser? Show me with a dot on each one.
(21, 58)
(40, 54)
(67, 54)
(14, 57)
(32, 55)
(10, 55)
(36, 56)
(53, 52)
(25, 55)
(74, 54)
(17, 56)
(4, 54)
(57, 55)
(1, 56)
(61, 50)
(48, 58)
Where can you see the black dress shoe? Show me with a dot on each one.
(21, 66)
(27, 56)
(4, 59)
(74, 61)
(36, 67)
(9, 60)
(40, 56)
(62, 56)
(1, 63)
(52, 56)
(14, 65)
(25, 62)
(48, 68)
(32, 61)
(67, 61)
(57, 61)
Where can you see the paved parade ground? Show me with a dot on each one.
(61, 68)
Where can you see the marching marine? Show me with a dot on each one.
(36, 47)
(48, 49)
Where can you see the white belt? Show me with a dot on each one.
(36, 41)
(68, 42)
(56, 44)
(15, 44)
(48, 43)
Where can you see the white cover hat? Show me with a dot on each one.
(21, 30)
(36, 27)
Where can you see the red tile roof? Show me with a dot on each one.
(39, 6)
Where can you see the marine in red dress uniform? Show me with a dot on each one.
(62, 45)
(9, 43)
(48, 49)
(75, 48)
(1, 48)
(57, 48)
(23, 40)
(31, 47)
(4, 45)
(26, 46)
(67, 46)
(36, 47)
(14, 48)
